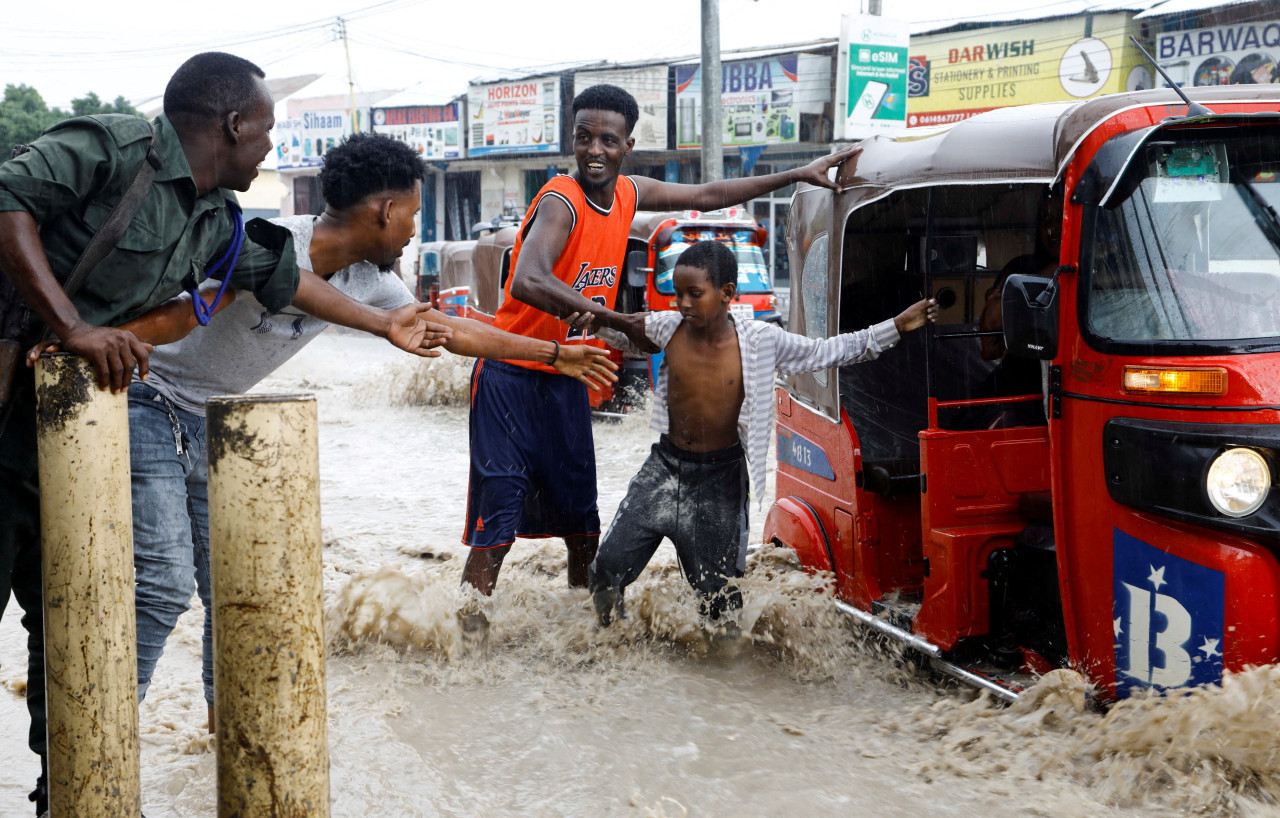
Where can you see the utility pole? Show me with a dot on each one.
(712, 119)
(351, 83)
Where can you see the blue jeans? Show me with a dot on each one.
(170, 525)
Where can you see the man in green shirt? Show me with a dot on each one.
(215, 131)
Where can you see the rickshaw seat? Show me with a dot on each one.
(892, 478)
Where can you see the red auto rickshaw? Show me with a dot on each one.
(1074, 467)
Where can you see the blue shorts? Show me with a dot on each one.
(533, 459)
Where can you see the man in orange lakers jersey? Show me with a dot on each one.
(533, 469)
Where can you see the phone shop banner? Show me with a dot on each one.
(432, 130)
(759, 101)
(514, 117)
(872, 90)
(959, 74)
(301, 142)
(1240, 54)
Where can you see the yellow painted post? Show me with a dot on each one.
(268, 619)
(86, 529)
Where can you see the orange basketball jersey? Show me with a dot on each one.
(591, 262)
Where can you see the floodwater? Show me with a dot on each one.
(554, 717)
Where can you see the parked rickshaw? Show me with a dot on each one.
(445, 271)
(1073, 468)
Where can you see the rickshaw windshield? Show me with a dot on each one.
(753, 270)
(1188, 250)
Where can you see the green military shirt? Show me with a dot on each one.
(77, 171)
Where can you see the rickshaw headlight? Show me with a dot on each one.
(1238, 482)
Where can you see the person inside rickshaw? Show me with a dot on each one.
(1014, 375)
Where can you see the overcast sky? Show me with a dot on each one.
(433, 47)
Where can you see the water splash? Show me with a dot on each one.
(1207, 750)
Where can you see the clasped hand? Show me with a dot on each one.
(410, 331)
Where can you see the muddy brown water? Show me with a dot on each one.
(554, 717)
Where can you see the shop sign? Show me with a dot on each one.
(514, 117)
(301, 142)
(1244, 53)
(432, 130)
(872, 85)
(957, 75)
(758, 99)
(649, 87)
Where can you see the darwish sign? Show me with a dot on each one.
(957, 75)
(432, 130)
(514, 117)
(301, 142)
(761, 99)
(1244, 53)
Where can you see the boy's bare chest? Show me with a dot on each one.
(707, 371)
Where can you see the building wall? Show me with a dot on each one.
(264, 196)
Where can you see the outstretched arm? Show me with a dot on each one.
(405, 327)
(534, 283)
(655, 195)
(797, 353)
(477, 339)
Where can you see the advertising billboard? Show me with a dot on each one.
(761, 99)
(956, 75)
(1244, 53)
(302, 141)
(649, 86)
(514, 117)
(434, 131)
(871, 90)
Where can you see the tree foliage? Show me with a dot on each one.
(24, 114)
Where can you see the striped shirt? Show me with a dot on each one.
(765, 349)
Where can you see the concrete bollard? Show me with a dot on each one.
(86, 527)
(268, 620)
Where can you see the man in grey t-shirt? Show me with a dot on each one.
(372, 186)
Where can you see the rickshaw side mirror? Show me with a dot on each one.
(637, 273)
(1029, 310)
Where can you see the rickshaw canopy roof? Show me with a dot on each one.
(645, 223)
(1027, 143)
(455, 263)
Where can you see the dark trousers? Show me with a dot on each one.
(696, 499)
(20, 542)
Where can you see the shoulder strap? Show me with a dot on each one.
(117, 222)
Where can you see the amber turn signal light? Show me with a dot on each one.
(1203, 381)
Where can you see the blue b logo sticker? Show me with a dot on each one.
(1168, 618)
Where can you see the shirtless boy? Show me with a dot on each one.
(533, 466)
(713, 405)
